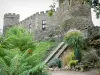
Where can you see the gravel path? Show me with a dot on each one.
(73, 73)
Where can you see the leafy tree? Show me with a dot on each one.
(96, 6)
(17, 37)
(15, 63)
(20, 55)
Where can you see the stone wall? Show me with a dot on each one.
(69, 15)
(75, 14)
(35, 21)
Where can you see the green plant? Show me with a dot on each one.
(58, 61)
(42, 48)
(96, 6)
(1, 39)
(55, 63)
(97, 65)
(83, 66)
(15, 63)
(68, 57)
(75, 39)
(52, 64)
(17, 37)
(39, 70)
(51, 12)
(73, 63)
(90, 56)
(78, 55)
(20, 55)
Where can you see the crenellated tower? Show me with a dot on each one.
(10, 19)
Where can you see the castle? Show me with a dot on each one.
(70, 14)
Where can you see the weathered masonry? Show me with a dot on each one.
(70, 14)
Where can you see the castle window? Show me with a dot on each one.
(43, 24)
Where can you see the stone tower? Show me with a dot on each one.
(10, 19)
(74, 14)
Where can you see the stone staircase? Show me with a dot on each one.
(56, 52)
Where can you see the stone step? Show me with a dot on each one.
(54, 52)
(61, 51)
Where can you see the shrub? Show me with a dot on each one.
(75, 39)
(50, 13)
(97, 64)
(15, 63)
(19, 55)
(90, 56)
(83, 66)
(42, 49)
(73, 63)
(39, 70)
(55, 63)
(58, 61)
(70, 56)
(17, 37)
(52, 64)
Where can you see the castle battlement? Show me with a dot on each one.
(37, 14)
(47, 11)
(43, 12)
(70, 14)
(11, 15)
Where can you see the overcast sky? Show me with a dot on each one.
(28, 7)
(23, 7)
